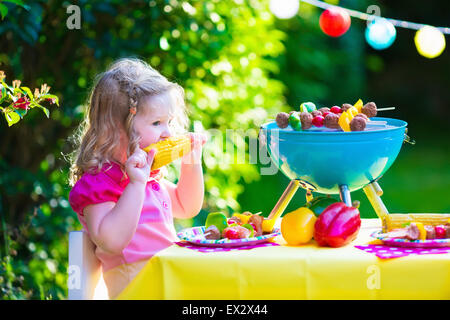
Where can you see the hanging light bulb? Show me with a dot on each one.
(380, 34)
(284, 9)
(430, 42)
(334, 21)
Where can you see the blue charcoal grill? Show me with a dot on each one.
(334, 162)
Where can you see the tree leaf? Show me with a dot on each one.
(19, 3)
(21, 112)
(47, 113)
(3, 10)
(51, 96)
(12, 118)
(4, 94)
(30, 33)
(17, 90)
(7, 87)
(29, 93)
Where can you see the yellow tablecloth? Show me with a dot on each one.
(288, 272)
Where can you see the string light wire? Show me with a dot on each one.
(365, 16)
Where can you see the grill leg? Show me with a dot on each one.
(372, 194)
(345, 195)
(284, 200)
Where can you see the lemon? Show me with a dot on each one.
(297, 227)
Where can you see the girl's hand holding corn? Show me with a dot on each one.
(138, 165)
(197, 142)
(175, 147)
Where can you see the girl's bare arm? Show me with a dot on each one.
(112, 225)
(188, 194)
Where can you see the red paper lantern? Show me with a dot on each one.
(334, 22)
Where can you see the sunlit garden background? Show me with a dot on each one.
(240, 66)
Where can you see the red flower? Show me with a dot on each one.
(22, 103)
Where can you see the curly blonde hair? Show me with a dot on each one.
(126, 84)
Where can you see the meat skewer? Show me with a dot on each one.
(347, 117)
(418, 231)
(386, 109)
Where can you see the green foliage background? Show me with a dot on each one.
(239, 66)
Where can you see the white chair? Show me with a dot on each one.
(85, 281)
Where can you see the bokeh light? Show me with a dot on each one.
(334, 21)
(430, 42)
(284, 9)
(380, 34)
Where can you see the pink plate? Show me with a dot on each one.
(405, 243)
(195, 236)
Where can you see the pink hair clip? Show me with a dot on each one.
(133, 110)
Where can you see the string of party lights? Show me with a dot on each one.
(380, 32)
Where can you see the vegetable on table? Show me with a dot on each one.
(337, 226)
(243, 217)
(319, 204)
(297, 227)
(217, 219)
(399, 220)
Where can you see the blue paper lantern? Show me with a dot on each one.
(380, 34)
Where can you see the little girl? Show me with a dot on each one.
(126, 209)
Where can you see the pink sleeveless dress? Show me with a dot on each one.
(155, 230)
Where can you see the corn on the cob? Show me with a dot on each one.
(169, 150)
(399, 220)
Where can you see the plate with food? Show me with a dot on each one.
(242, 229)
(416, 235)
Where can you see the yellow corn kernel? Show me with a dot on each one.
(169, 150)
(399, 220)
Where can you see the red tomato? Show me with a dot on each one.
(336, 110)
(317, 121)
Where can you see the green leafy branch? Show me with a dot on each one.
(15, 101)
(4, 8)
